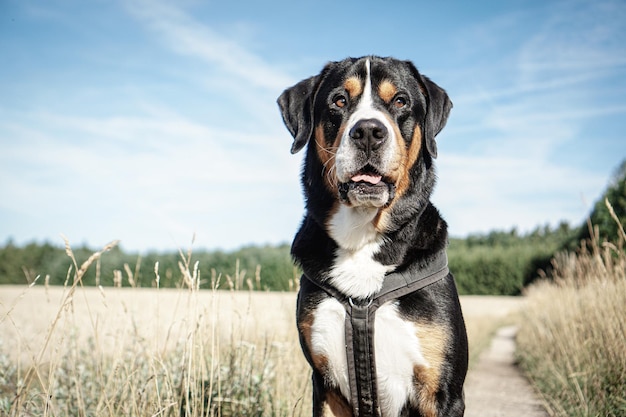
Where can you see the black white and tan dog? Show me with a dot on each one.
(378, 312)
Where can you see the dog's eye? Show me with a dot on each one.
(340, 101)
(400, 102)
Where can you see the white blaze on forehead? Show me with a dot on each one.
(365, 108)
(366, 100)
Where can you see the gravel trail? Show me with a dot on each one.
(495, 387)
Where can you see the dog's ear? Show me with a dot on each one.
(296, 107)
(438, 108)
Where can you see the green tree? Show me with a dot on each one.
(600, 216)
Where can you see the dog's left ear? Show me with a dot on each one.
(438, 108)
(296, 107)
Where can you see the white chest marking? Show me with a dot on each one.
(352, 227)
(397, 352)
(355, 271)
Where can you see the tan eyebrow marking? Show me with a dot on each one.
(387, 91)
(353, 86)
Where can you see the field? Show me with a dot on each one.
(150, 352)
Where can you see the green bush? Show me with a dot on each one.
(503, 263)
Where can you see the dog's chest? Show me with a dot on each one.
(397, 352)
(355, 272)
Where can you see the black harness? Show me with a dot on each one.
(359, 327)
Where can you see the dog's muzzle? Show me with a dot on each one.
(363, 162)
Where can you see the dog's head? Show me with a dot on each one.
(371, 124)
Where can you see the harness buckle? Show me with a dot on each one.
(353, 304)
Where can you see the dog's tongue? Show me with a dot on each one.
(372, 179)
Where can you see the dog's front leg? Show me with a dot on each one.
(328, 402)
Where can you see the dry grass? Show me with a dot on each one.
(572, 339)
(93, 351)
(147, 352)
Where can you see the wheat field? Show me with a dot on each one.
(94, 351)
(149, 352)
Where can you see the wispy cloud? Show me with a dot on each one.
(137, 166)
(516, 126)
(157, 177)
(185, 35)
(478, 194)
(579, 39)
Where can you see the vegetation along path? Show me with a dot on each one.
(495, 387)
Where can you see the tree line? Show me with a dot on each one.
(496, 263)
(253, 267)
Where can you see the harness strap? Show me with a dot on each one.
(360, 357)
(359, 327)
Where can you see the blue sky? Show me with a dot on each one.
(150, 121)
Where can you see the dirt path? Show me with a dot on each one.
(495, 387)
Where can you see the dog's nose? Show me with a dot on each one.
(369, 134)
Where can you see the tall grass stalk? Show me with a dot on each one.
(572, 340)
(188, 370)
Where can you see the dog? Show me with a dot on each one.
(378, 313)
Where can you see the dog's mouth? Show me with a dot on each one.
(367, 187)
(372, 178)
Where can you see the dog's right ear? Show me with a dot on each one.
(296, 107)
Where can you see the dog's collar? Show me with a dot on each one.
(359, 326)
